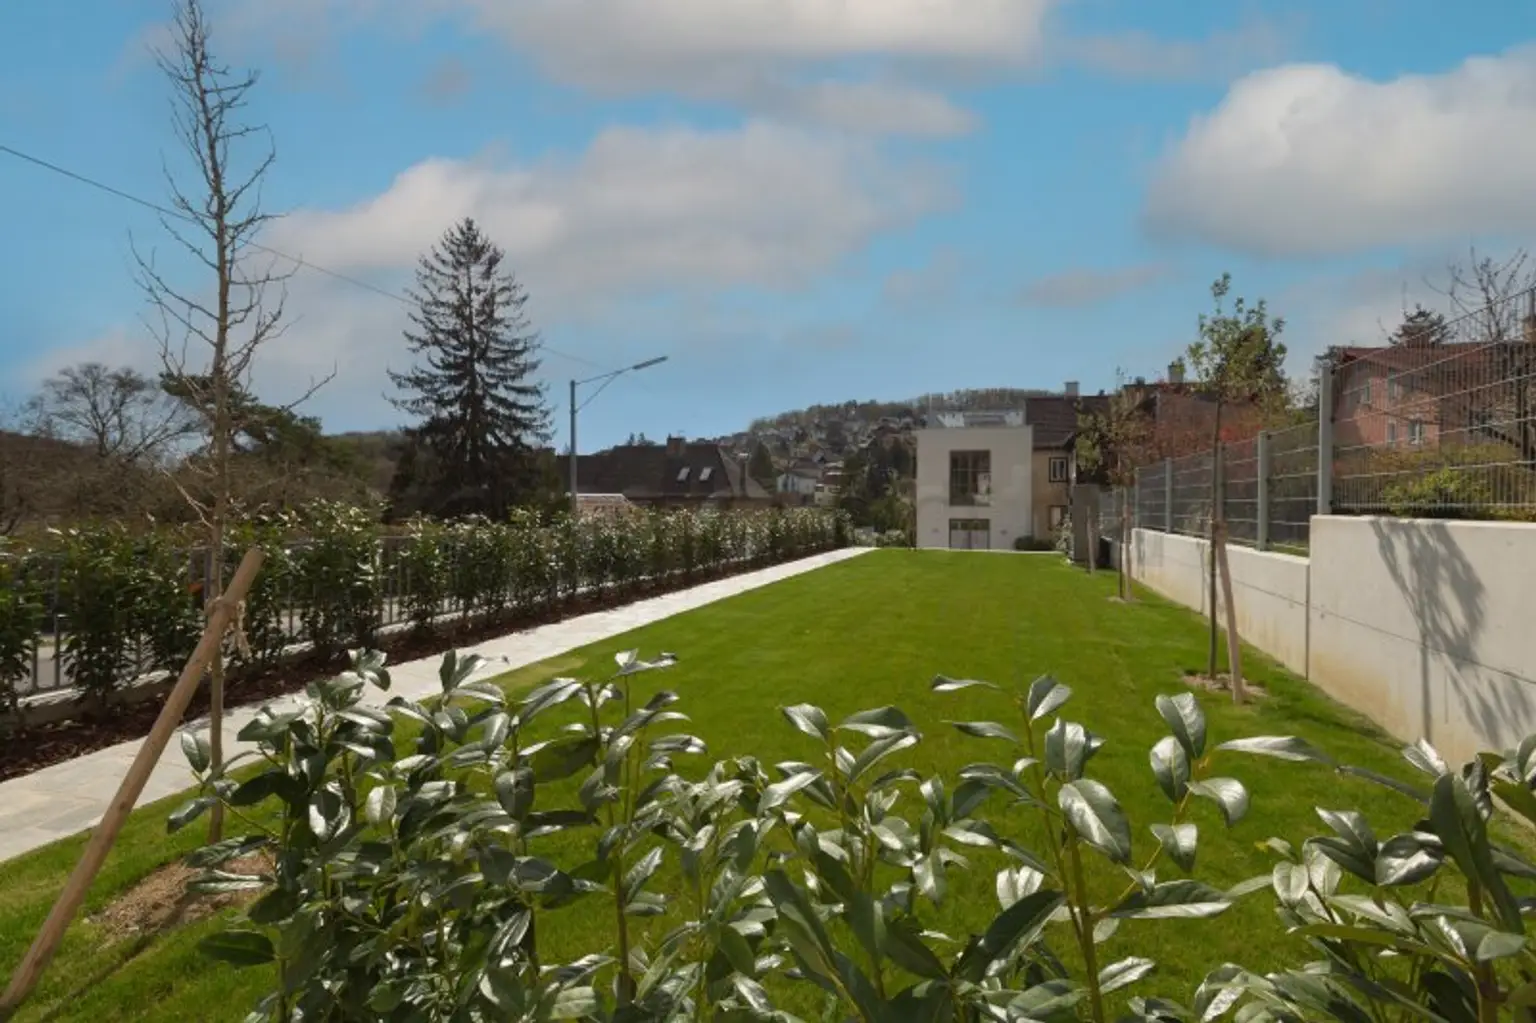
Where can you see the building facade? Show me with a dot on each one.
(974, 481)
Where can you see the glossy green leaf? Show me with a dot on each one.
(1178, 842)
(1096, 816)
(1172, 900)
(879, 723)
(238, 947)
(1045, 696)
(1068, 746)
(380, 805)
(1281, 747)
(1170, 765)
(986, 730)
(1124, 973)
(810, 719)
(944, 684)
(196, 749)
(1228, 793)
(1186, 720)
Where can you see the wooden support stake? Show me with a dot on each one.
(104, 835)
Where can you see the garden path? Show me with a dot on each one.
(67, 798)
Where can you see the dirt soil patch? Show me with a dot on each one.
(32, 749)
(161, 901)
(1222, 684)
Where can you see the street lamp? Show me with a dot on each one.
(606, 378)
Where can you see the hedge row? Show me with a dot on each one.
(125, 605)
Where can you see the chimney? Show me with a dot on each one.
(676, 446)
(1176, 371)
(1070, 387)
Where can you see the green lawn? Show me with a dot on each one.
(871, 631)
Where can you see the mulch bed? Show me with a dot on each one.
(32, 749)
(161, 901)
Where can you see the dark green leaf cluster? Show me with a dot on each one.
(413, 866)
(131, 604)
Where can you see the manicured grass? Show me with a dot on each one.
(871, 631)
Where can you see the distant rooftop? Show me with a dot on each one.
(976, 417)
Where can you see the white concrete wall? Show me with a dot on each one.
(1270, 590)
(1009, 511)
(1427, 627)
(1422, 625)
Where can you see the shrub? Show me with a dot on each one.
(337, 578)
(133, 603)
(1030, 543)
(412, 876)
(21, 618)
(269, 605)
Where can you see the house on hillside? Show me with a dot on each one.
(1415, 397)
(1054, 420)
(797, 482)
(974, 476)
(678, 474)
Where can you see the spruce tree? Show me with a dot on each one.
(479, 414)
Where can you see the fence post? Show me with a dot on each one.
(1167, 495)
(1324, 436)
(1261, 527)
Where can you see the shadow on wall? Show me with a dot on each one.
(1441, 588)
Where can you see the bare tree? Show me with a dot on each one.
(1493, 303)
(217, 222)
(118, 414)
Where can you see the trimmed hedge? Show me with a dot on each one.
(126, 605)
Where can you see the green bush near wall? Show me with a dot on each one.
(131, 604)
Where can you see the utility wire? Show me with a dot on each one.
(296, 260)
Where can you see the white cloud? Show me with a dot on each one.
(1084, 286)
(639, 217)
(448, 80)
(1219, 55)
(874, 107)
(763, 205)
(1307, 159)
(628, 42)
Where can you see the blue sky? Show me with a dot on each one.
(794, 202)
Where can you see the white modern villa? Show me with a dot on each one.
(973, 480)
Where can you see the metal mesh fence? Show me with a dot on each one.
(1268, 490)
(1442, 425)
(1291, 491)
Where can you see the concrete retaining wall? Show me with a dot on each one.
(1422, 625)
(1270, 590)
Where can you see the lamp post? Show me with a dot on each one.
(606, 378)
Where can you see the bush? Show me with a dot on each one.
(412, 876)
(1030, 543)
(21, 618)
(1447, 481)
(132, 604)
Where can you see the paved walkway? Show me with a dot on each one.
(67, 798)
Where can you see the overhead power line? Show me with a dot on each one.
(298, 261)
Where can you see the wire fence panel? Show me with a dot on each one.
(1443, 428)
(1192, 494)
(1240, 490)
(1291, 496)
(1151, 497)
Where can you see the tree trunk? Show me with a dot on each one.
(1214, 516)
(1125, 547)
(216, 526)
(1234, 650)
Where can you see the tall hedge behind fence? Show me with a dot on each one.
(111, 607)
